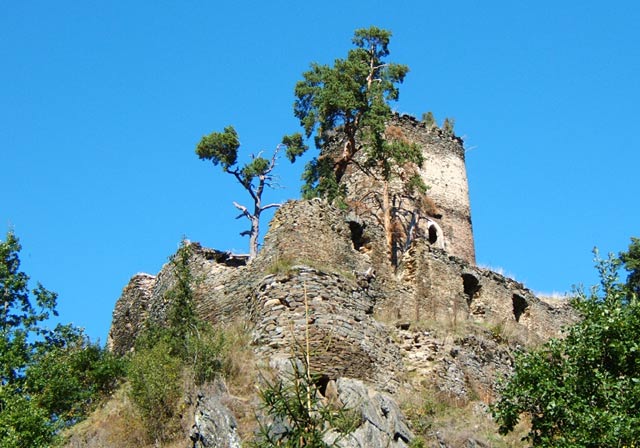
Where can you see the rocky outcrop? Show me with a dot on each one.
(461, 367)
(214, 424)
(383, 424)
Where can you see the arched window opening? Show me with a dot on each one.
(520, 305)
(471, 286)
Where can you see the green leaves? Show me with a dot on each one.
(221, 148)
(295, 415)
(184, 346)
(295, 146)
(631, 260)
(351, 97)
(67, 378)
(258, 166)
(48, 378)
(582, 390)
(155, 387)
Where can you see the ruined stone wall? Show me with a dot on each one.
(222, 287)
(131, 310)
(336, 313)
(318, 256)
(446, 289)
(444, 172)
(312, 233)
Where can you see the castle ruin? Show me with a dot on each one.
(433, 323)
(443, 215)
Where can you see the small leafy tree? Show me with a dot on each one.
(155, 387)
(447, 126)
(294, 407)
(293, 404)
(221, 148)
(48, 378)
(184, 346)
(583, 390)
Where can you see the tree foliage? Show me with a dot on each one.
(447, 126)
(221, 148)
(584, 390)
(297, 417)
(631, 261)
(349, 99)
(429, 120)
(48, 378)
(346, 107)
(299, 420)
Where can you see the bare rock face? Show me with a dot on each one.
(214, 424)
(383, 424)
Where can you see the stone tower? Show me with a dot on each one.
(444, 171)
(445, 212)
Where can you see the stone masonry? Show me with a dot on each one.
(310, 255)
(323, 277)
(324, 282)
(445, 213)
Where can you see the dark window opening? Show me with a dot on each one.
(471, 286)
(520, 305)
(433, 234)
(357, 235)
(321, 382)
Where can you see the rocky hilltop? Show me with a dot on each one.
(383, 340)
(400, 325)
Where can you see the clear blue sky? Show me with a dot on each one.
(103, 102)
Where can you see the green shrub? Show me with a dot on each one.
(448, 126)
(67, 380)
(208, 352)
(429, 120)
(583, 390)
(155, 387)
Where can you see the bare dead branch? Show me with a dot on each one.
(268, 206)
(243, 209)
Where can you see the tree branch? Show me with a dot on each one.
(274, 205)
(244, 211)
(247, 185)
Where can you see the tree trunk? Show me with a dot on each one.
(386, 220)
(253, 238)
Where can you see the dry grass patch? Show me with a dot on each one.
(437, 417)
